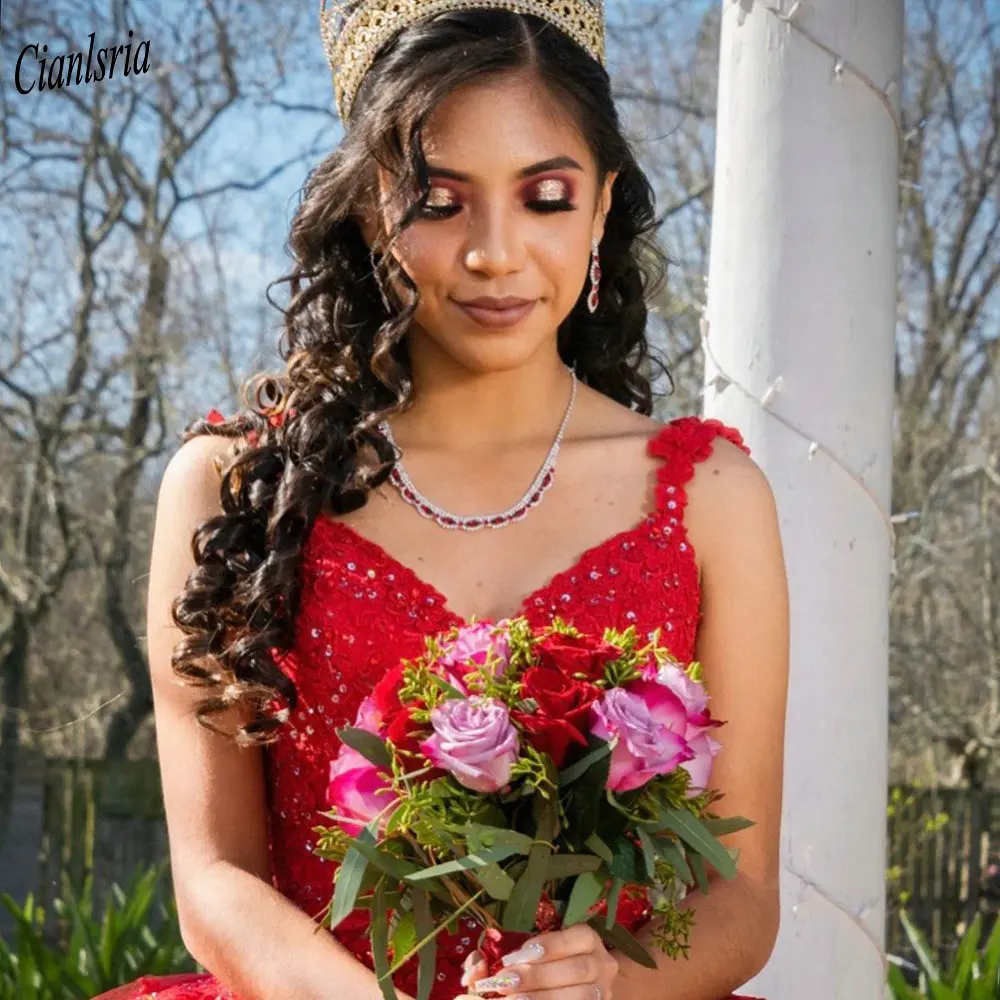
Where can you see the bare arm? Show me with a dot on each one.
(742, 645)
(234, 922)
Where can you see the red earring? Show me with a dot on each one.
(593, 299)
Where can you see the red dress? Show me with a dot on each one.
(362, 611)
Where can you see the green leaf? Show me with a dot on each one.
(901, 989)
(544, 811)
(574, 771)
(584, 799)
(613, 896)
(352, 870)
(960, 970)
(919, 944)
(586, 892)
(674, 855)
(519, 913)
(428, 943)
(692, 831)
(648, 854)
(562, 866)
(404, 934)
(469, 862)
(398, 868)
(941, 992)
(367, 744)
(495, 881)
(599, 848)
(380, 942)
(991, 956)
(621, 940)
(626, 862)
(733, 824)
(481, 837)
(697, 863)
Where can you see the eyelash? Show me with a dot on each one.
(541, 207)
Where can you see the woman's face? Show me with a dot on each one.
(513, 207)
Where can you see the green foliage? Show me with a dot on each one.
(910, 829)
(137, 935)
(973, 974)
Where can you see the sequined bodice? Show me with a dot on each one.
(362, 611)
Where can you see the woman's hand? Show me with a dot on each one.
(564, 965)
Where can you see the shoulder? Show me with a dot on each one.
(727, 493)
(192, 477)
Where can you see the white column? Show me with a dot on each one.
(802, 293)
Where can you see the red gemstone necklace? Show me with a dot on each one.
(473, 522)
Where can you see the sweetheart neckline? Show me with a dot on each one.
(581, 562)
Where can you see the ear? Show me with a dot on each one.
(604, 205)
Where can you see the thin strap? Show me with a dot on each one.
(682, 444)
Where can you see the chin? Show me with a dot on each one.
(493, 351)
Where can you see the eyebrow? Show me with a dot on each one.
(555, 163)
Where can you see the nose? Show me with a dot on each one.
(495, 244)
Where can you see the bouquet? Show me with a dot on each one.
(532, 779)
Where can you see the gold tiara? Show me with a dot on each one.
(354, 32)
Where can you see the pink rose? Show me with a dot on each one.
(369, 717)
(649, 723)
(474, 740)
(358, 791)
(673, 676)
(694, 696)
(469, 650)
(700, 765)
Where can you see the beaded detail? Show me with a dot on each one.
(354, 33)
(361, 611)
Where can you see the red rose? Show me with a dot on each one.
(385, 694)
(574, 655)
(562, 714)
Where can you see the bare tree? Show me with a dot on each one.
(945, 657)
(104, 183)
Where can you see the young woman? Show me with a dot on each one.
(467, 308)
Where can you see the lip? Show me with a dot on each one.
(496, 314)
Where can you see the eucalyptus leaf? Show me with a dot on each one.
(697, 864)
(469, 862)
(599, 848)
(349, 876)
(574, 771)
(613, 896)
(367, 744)
(692, 831)
(481, 837)
(731, 824)
(519, 913)
(621, 940)
(428, 951)
(562, 866)
(495, 881)
(648, 854)
(586, 892)
(380, 943)
(398, 868)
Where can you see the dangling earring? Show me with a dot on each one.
(594, 298)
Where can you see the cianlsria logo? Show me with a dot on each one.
(37, 69)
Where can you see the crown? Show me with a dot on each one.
(353, 32)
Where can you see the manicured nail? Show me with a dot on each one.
(504, 981)
(530, 952)
(473, 959)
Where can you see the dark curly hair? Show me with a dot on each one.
(346, 360)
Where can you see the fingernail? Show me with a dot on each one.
(504, 981)
(472, 960)
(530, 952)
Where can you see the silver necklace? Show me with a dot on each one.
(533, 495)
